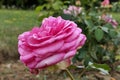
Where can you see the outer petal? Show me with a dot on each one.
(70, 54)
(48, 48)
(34, 30)
(37, 42)
(67, 46)
(79, 41)
(27, 58)
(23, 51)
(50, 60)
(74, 35)
(31, 64)
(23, 35)
(83, 40)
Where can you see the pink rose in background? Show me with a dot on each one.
(114, 23)
(109, 19)
(105, 3)
(73, 10)
(55, 41)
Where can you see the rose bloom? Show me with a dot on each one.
(105, 3)
(55, 41)
(73, 10)
(109, 19)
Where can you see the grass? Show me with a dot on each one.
(12, 23)
(116, 16)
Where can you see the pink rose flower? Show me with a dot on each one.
(55, 41)
(114, 23)
(73, 10)
(105, 3)
(109, 19)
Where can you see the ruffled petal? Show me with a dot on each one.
(27, 58)
(48, 48)
(70, 54)
(79, 41)
(23, 51)
(74, 35)
(83, 40)
(67, 46)
(50, 60)
(37, 42)
(31, 64)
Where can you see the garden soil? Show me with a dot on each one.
(17, 71)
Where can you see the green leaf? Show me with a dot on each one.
(93, 13)
(109, 26)
(118, 68)
(113, 33)
(93, 54)
(66, 16)
(103, 66)
(42, 15)
(99, 34)
(57, 5)
(105, 29)
(39, 8)
(82, 54)
(87, 60)
(88, 23)
(117, 57)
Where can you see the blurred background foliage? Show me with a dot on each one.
(31, 4)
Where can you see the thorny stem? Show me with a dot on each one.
(70, 75)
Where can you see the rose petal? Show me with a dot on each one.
(79, 41)
(75, 34)
(34, 30)
(70, 54)
(23, 51)
(70, 23)
(50, 60)
(23, 35)
(67, 46)
(27, 58)
(49, 48)
(83, 41)
(31, 64)
(36, 42)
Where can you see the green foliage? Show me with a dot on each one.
(99, 34)
(116, 6)
(53, 7)
(117, 57)
(103, 68)
(89, 4)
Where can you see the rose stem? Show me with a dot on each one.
(70, 75)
